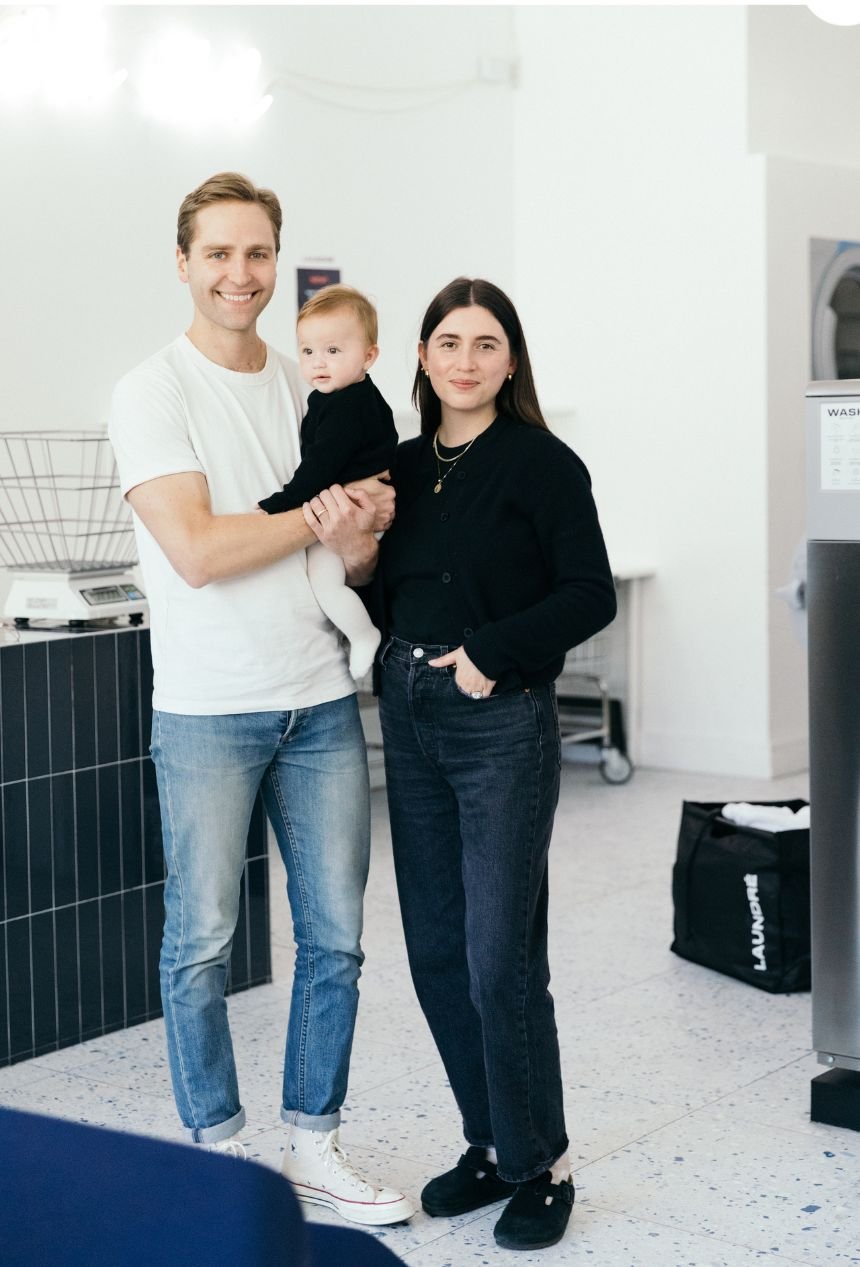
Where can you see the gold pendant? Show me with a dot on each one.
(437, 487)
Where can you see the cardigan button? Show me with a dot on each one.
(467, 632)
(445, 515)
(461, 475)
(446, 577)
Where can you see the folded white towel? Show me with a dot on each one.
(766, 817)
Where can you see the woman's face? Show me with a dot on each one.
(467, 358)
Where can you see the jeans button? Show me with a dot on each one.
(418, 652)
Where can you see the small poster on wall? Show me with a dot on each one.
(312, 277)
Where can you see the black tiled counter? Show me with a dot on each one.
(81, 863)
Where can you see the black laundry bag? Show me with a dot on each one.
(742, 898)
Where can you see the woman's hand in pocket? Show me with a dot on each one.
(468, 678)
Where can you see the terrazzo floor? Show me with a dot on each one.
(686, 1093)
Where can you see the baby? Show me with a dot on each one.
(347, 434)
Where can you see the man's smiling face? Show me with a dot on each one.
(231, 265)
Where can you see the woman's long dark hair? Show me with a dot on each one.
(516, 397)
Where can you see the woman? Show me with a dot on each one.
(494, 567)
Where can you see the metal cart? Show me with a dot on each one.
(587, 711)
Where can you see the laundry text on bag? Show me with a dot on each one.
(751, 881)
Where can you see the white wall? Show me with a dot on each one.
(803, 89)
(404, 198)
(640, 267)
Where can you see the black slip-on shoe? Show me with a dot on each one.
(536, 1215)
(471, 1184)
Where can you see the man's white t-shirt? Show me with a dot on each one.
(252, 643)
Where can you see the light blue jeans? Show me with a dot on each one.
(312, 768)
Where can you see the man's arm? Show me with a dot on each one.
(202, 547)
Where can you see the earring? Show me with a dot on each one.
(424, 371)
(510, 378)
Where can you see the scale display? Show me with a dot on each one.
(101, 594)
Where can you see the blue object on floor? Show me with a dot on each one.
(347, 1247)
(81, 1196)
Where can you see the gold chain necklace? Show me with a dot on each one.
(452, 462)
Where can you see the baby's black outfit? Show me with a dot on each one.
(346, 435)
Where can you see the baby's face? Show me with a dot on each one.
(333, 350)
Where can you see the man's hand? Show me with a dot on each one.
(381, 495)
(345, 523)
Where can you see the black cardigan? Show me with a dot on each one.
(513, 537)
(346, 435)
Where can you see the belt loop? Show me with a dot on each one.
(383, 654)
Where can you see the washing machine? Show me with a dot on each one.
(833, 601)
(835, 308)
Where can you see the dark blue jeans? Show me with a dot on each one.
(472, 792)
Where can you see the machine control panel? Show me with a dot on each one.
(833, 461)
(840, 444)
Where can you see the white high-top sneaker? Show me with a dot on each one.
(321, 1174)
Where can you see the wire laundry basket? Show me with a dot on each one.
(61, 509)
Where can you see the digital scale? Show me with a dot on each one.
(66, 534)
(70, 597)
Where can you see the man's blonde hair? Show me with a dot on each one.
(225, 187)
(337, 296)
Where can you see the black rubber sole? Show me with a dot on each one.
(506, 1244)
(451, 1211)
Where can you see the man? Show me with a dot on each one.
(251, 689)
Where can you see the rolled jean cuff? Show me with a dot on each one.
(307, 1121)
(536, 1170)
(214, 1134)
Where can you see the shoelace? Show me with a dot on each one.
(230, 1148)
(333, 1155)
